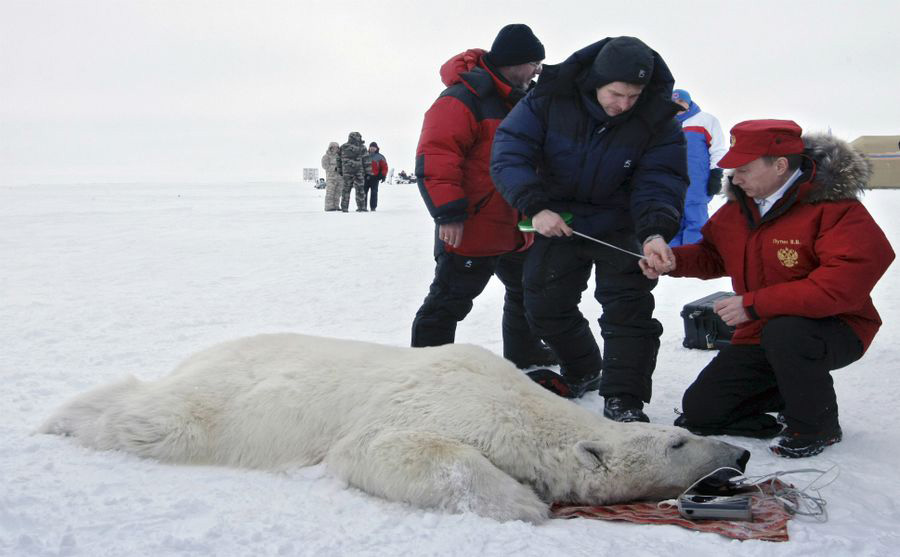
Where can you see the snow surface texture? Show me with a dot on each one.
(99, 281)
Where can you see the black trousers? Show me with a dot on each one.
(556, 273)
(371, 189)
(458, 280)
(788, 372)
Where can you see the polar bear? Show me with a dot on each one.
(454, 427)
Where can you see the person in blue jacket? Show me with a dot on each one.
(597, 138)
(705, 147)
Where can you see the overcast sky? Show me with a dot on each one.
(212, 91)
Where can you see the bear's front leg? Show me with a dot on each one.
(431, 471)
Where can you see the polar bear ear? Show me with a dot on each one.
(591, 454)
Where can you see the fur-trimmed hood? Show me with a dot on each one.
(837, 170)
(841, 172)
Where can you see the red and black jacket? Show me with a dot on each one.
(454, 152)
(379, 165)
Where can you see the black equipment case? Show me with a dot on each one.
(704, 329)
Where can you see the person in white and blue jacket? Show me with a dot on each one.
(705, 146)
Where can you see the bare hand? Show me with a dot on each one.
(658, 258)
(731, 310)
(451, 233)
(649, 271)
(548, 223)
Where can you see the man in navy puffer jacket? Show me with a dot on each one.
(596, 138)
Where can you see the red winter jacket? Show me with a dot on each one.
(816, 253)
(379, 165)
(454, 153)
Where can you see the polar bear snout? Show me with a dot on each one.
(734, 457)
(720, 481)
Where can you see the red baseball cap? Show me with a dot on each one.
(752, 139)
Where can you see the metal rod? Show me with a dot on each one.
(607, 244)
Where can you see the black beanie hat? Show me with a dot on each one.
(622, 59)
(373, 144)
(515, 44)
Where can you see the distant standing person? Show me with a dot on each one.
(379, 170)
(352, 168)
(705, 147)
(331, 162)
(475, 228)
(367, 173)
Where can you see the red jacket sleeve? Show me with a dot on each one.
(448, 132)
(700, 260)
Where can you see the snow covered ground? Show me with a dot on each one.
(99, 281)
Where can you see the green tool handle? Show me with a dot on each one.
(526, 226)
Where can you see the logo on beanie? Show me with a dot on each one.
(788, 257)
(642, 73)
(733, 140)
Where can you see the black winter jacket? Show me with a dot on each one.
(559, 150)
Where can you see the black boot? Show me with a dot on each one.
(542, 357)
(564, 386)
(760, 426)
(624, 408)
(791, 444)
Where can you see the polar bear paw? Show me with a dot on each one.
(431, 471)
(497, 495)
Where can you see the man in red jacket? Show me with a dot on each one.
(375, 174)
(475, 229)
(803, 255)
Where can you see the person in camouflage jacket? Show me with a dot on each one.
(331, 162)
(352, 166)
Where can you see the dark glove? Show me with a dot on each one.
(714, 184)
(382, 179)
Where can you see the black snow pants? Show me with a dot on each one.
(788, 372)
(458, 280)
(371, 189)
(557, 271)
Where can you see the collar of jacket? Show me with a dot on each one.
(654, 107)
(472, 69)
(483, 80)
(798, 192)
(694, 109)
(832, 171)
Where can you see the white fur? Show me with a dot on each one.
(453, 427)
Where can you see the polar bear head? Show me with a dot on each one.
(643, 461)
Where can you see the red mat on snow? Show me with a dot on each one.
(769, 518)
